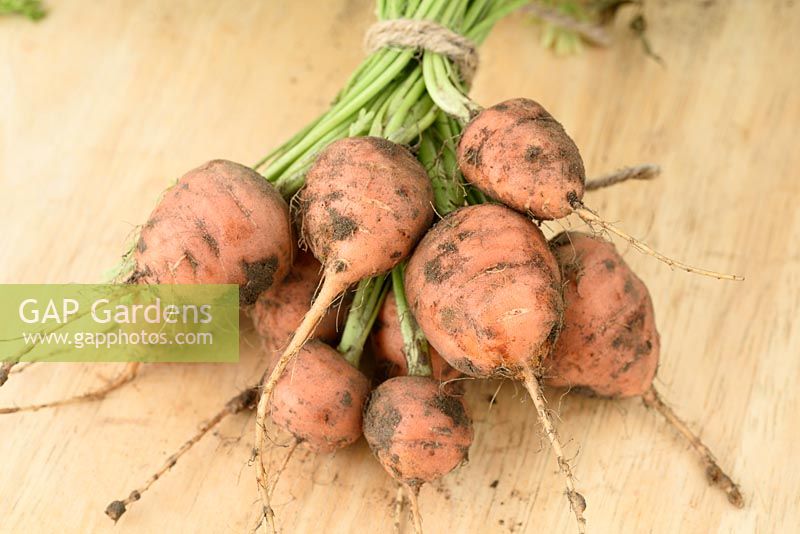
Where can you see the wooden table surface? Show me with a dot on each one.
(104, 103)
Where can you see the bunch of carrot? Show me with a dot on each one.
(416, 211)
(481, 293)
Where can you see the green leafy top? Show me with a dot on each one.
(33, 9)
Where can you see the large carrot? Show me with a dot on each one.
(609, 346)
(485, 288)
(222, 223)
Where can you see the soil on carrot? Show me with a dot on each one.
(452, 408)
(260, 277)
(343, 227)
(383, 425)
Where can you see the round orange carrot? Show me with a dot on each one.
(485, 289)
(609, 343)
(222, 223)
(517, 153)
(417, 432)
(320, 399)
(609, 346)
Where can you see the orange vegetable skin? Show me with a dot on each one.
(366, 203)
(417, 432)
(222, 223)
(320, 399)
(485, 289)
(609, 345)
(516, 152)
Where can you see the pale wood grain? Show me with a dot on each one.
(104, 103)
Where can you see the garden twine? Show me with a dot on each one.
(425, 35)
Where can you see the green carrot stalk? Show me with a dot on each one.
(415, 346)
